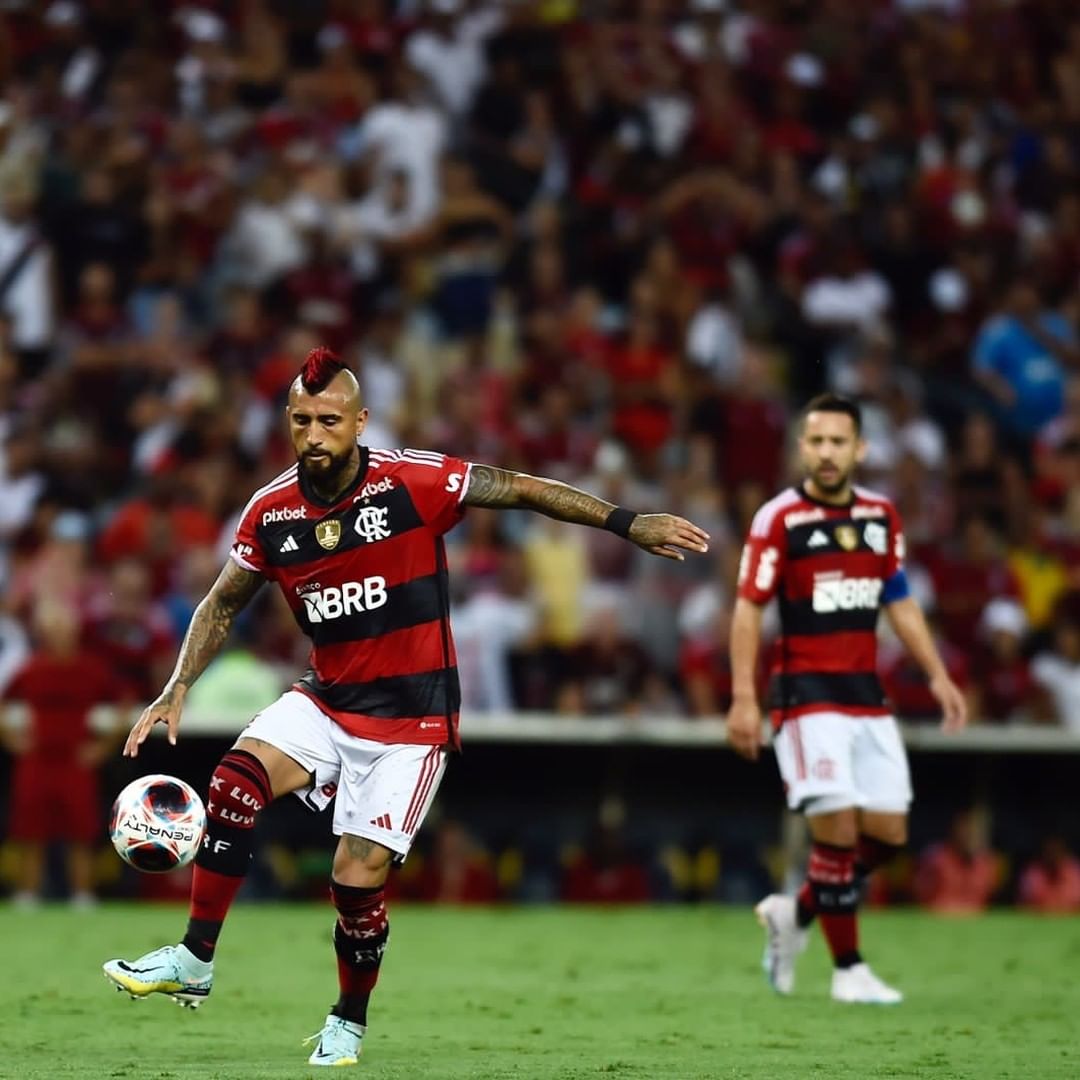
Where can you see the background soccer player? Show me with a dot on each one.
(353, 537)
(833, 554)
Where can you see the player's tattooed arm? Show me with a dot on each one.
(212, 621)
(660, 534)
(207, 632)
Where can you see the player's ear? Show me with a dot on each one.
(860, 450)
(361, 422)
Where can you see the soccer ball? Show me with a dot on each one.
(157, 823)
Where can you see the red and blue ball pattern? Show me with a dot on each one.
(157, 823)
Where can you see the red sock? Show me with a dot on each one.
(239, 789)
(360, 938)
(832, 894)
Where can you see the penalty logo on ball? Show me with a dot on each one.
(157, 823)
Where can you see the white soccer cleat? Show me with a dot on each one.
(858, 985)
(339, 1042)
(784, 940)
(170, 970)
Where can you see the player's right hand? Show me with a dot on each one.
(165, 710)
(744, 728)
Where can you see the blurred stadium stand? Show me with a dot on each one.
(619, 242)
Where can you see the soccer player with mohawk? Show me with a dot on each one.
(353, 536)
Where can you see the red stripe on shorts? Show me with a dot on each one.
(423, 783)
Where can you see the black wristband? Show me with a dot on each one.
(619, 521)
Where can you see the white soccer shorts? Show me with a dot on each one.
(829, 762)
(383, 790)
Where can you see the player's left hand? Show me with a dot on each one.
(668, 535)
(953, 703)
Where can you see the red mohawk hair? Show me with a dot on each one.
(321, 365)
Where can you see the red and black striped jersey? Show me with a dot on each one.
(831, 568)
(366, 580)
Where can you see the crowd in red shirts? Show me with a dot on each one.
(617, 242)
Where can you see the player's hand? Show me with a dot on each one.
(668, 535)
(744, 728)
(166, 710)
(954, 708)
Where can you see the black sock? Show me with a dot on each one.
(849, 959)
(201, 937)
(352, 1007)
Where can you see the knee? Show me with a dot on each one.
(840, 828)
(361, 863)
(894, 833)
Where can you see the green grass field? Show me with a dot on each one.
(550, 993)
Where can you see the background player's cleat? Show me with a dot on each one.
(169, 970)
(859, 985)
(339, 1042)
(784, 940)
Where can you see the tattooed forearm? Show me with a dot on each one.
(499, 487)
(211, 623)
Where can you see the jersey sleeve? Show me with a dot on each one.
(246, 550)
(437, 483)
(763, 557)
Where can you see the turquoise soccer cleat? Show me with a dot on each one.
(339, 1042)
(171, 970)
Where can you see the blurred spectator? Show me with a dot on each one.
(1008, 690)
(608, 673)
(54, 793)
(961, 875)
(498, 619)
(1057, 671)
(131, 632)
(1021, 357)
(704, 661)
(458, 870)
(965, 575)
(605, 872)
(1051, 881)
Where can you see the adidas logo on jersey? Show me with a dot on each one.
(817, 539)
(290, 544)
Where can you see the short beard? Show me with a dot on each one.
(836, 485)
(327, 479)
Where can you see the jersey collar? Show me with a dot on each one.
(801, 489)
(316, 500)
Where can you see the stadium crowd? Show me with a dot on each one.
(618, 243)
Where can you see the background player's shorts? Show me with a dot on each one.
(830, 761)
(383, 790)
(53, 800)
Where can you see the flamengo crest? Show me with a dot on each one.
(371, 522)
(328, 533)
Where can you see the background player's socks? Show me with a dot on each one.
(832, 894)
(239, 789)
(360, 938)
(871, 854)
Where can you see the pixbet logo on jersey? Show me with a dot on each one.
(333, 602)
(286, 513)
(834, 592)
(375, 487)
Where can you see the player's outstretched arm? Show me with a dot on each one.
(660, 534)
(907, 620)
(207, 632)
